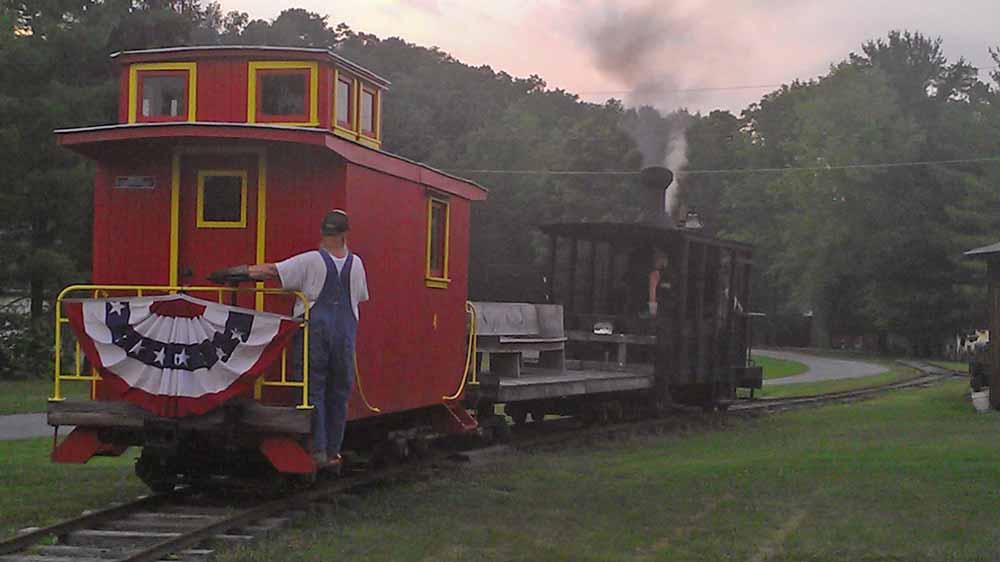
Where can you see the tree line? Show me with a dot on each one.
(866, 250)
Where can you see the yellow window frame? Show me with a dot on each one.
(350, 131)
(376, 135)
(312, 67)
(430, 280)
(133, 85)
(201, 222)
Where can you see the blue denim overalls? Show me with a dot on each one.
(332, 330)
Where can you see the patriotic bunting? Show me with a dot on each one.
(177, 355)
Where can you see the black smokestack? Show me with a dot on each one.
(655, 180)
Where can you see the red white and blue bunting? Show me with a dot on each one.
(177, 355)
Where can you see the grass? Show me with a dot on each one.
(911, 476)
(37, 492)
(779, 368)
(957, 366)
(30, 395)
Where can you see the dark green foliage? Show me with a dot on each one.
(867, 250)
(872, 250)
(25, 347)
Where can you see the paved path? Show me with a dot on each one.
(821, 368)
(25, 426)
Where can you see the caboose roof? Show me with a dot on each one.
(248, 51)
(90, 141)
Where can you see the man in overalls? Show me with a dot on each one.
(333, 280)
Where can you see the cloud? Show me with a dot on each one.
(654, 48)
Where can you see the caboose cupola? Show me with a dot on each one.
(295, 87)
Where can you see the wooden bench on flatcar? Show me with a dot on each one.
(506, 331)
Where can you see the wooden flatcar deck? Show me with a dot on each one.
(537, 384)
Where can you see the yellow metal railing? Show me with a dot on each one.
(104, 291)
(470, 374)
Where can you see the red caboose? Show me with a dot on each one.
(227, 155)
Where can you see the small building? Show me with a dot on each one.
(984, 368)
(232, 155)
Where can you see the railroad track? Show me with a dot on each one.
(178, 526)
(931, 375)
(187, 526)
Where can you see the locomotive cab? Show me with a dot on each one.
(654, 298)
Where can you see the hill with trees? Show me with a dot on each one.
(867, 250)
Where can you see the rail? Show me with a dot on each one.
(286, 379)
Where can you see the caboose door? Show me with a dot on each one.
(218, 216)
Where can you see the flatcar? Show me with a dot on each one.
(228, 155)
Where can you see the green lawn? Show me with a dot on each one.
(37, 492)
(31, 395)
(779, 368)
(957, 366)
(911, 476)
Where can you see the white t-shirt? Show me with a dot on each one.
(306, 272)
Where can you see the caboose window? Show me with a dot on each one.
(222, 199)
(282, 92)
(344, 105)
(368, 112)
(162, 92)
(163, 95)
(437, 243)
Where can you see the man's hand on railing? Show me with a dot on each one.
(231, 275)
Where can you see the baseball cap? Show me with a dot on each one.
(335, 222)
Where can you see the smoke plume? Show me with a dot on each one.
(676, 159)
(628, 43)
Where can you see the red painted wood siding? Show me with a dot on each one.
(405, 362)
(222, 90)
(132, 226)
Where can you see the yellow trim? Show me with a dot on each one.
(312, 67)
(337, 75)
(470, 354)
(375, 117)
(133, 85)
(175, 213)
(361, 388)
(368, 142)
(138, 290)
(346, 133)
(355, 110)
(432, 281)
(201, 222)
(261, 218)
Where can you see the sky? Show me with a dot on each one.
(662, 53)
